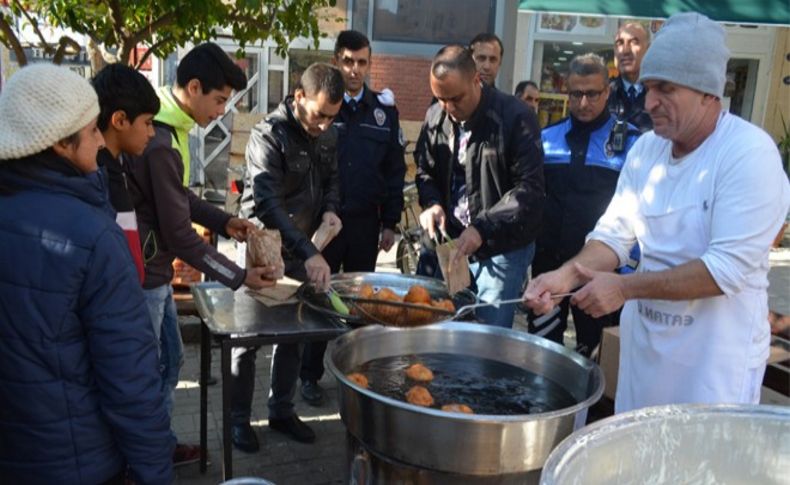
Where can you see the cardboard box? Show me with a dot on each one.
(608, 359)
(609, 356)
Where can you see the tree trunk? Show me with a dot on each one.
(96, 57)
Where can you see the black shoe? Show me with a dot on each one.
(244, 438)
(294, 428)
(312, 393)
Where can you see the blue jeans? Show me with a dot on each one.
(501, 277)
(164, 319)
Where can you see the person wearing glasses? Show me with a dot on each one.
(528, 92)
(704, 195)
(583, 158)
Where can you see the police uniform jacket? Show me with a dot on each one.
(371, 167)
(622, 107)
(581, 174)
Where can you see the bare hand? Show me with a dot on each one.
(432, 217)
(261, 277)
(539, 290)
(467, 243)
(602, 293)
(238, 228)
(318, 272)
(387, 239)
(331, 219)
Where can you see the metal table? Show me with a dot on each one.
(236, 319)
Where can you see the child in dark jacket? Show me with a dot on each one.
(80, 398)
(127, 106)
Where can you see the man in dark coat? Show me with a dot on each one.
(627, 94)
(480, 178)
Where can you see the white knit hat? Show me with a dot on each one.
(690, 50)
(40, 105)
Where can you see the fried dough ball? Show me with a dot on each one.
(457, 408)
(418, 294)
(416, 316)
(419, 396)
(444, 305)
(367, 292)
(358, 379)
(387, 313)
(420, 373)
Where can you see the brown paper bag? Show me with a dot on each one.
(264, 248)
(283, 293)
(324, 234)
(455, 275)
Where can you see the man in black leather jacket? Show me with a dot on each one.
(480, 176)
(292, 174)
(371, 169)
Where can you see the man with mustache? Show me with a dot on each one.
(627, 94)
(704, 195)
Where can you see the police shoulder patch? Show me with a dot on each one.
(401, 138)
(380, 116)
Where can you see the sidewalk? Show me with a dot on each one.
(279, 460)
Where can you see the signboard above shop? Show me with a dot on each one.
(732, 11)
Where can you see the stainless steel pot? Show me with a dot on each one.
(700, 444)
(479, 445)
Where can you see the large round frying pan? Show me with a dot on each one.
(346, 285)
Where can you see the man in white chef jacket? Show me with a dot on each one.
(704, 195)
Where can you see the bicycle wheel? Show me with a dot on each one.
(406, 256)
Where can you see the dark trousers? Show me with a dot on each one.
(355, 248)
(284, 372)
(552, 325)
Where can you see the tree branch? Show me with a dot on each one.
(116, 14)
(152, 50)
(12, 41)
(34, 23)
(151, 28)
(64, 43)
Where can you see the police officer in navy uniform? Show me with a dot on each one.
(584, 154)
(627, 94)
(372, 170)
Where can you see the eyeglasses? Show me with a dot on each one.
(592, 96)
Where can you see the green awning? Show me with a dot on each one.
(734, 11)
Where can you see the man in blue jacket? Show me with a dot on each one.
(371, 170)
(583, 157)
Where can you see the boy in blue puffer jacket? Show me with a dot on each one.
(80, 399)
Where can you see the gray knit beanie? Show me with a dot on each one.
(690, 50)
(40, 105)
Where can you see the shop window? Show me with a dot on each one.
(740, 88)
(435, 22)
